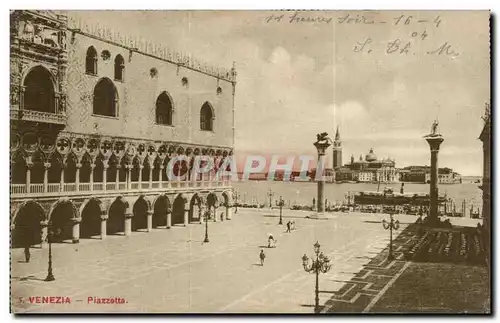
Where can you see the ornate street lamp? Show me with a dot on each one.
(50, 276)
(281, 203)
(391, 225)
(207, 215)
(321, 264)
(270, 193)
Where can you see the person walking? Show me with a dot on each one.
(288, 225)
(262, 256)
(27, 254)
(222, 216)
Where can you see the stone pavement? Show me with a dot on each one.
(173, 271)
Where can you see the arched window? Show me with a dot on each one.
(206, 117)
(119, 67)
(164, 109)
(105, 98)
(91, 61)
(39, 93)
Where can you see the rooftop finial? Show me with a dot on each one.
(337, 134)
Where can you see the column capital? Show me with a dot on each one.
(76, 220)
(78, 165)
(141, 166)
(47, 165)
(92, 166)
(29, 165)
(150, 212)
(129, 215)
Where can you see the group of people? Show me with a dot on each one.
(271, 242)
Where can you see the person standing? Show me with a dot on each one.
(262, 256)
(269, 239)
(288, 227)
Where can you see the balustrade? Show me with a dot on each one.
(84, 187)
(40, 188)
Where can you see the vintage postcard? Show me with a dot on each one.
(216, 162)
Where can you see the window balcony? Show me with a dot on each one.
(37, 116)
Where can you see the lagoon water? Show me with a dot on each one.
(303, 192)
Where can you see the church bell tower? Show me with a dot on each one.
(337, 150)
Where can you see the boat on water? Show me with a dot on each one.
(394, 198)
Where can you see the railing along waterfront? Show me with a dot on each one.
(22, 190)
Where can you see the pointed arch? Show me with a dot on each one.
(39, 94)
(207, 117)
(119, 67)
(164, 109)
(91, 61)
(105, 98)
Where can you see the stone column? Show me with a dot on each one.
(151, 165)
(160, 176)
(117, 179)
(77, 177)
(129, 176)
(186, 214)
(104, 174)
(434, 142)
(46, 177)
(61, 183)
(169, 219)
(128, 222)
(104, 229)
(150, 221)
(28, 176)
(141, 167)
(76, 230)
(215, 213)
(320, 199)
(91, 179)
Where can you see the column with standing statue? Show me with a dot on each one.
(434, 139)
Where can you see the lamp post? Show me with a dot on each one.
(207, 215)
(270, 193)
(236, 196)
(391, 225)
(280, 203)
(50, 276)
(321, 264)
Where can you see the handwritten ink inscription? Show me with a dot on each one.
(416, 41)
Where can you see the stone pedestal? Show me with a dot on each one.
(169, 220)
(103, 228)
(186, 217)
(434, 142)
(150, 221)
(128, 224)
(76, 230)
(229, 213)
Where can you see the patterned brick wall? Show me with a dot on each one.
(137, 95)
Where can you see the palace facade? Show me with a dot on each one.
(95, 119)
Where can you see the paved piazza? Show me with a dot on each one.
(172, 270)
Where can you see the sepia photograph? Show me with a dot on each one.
(315, 162)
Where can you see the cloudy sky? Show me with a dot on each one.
(304, 73)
